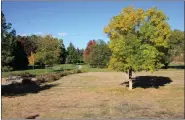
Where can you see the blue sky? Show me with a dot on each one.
(79, 22)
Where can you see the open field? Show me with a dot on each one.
(101, 94)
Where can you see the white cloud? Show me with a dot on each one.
(62, 34)
(23, 34)
(39, 33)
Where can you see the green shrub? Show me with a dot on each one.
(27, 74)
(83, 69)
(77, 71)
(6, 68)
(23, 74)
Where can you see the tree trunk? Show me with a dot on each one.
(166, 65)
(130, 79)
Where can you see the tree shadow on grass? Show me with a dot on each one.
(177, 67)
(174, 67)
(21, 89)
(149, 81)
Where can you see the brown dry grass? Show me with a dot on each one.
(99, 94)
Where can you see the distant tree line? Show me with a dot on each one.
(20, 51)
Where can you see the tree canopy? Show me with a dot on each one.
(72, 56)
(48, 51)
(175, 47)
(88, 49)
(8, 43)
(137, 37)
(99, 54)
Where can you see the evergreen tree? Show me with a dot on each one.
(63, 53)
(20, 61)
(72, 56)
(8, 44)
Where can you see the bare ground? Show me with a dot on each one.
(101, 95)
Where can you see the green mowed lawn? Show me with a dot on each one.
(54, 69)
(102, 95)
(178, 66)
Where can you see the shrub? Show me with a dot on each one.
(65, 73)
(61, 74)
(27, 74)
(49, 77)
(41, 79)
(83, 69)
(6, 69)
(27, 81)
(77, 71)
(24, 74)
(57, 76)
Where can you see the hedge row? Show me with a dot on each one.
(49, 77)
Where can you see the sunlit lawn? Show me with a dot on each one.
(55, 68)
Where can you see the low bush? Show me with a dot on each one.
(27, 81)
(65, 73)
(83, 69)
(61, 74)
(24, 74)
(40, 79)
(27, 74)
(49, 77)
(57, 76)
(77, 71)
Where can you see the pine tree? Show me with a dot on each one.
(8, 44)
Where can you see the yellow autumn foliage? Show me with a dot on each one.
(31, 59)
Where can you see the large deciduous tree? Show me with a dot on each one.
(29, 43)
(86, 53)
(99, 55)
(137, 38)
(48, 51)
(31, 59)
